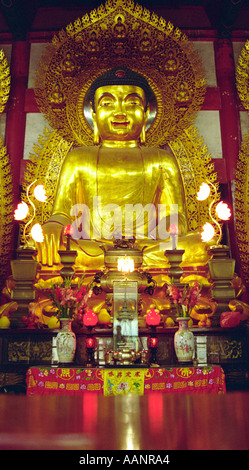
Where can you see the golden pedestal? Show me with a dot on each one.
(175, 271)
(175, 258)
(24, 270)
(221, 269)
(104, 279)
(67, 260)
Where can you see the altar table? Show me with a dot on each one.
(121, 381)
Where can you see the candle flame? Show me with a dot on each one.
(125, 264)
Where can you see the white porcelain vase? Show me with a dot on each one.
(184, 341)
(66, 342)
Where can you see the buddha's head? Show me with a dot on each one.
(120, 100)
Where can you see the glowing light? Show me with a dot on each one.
(153, 318)
(204, 192)
(173, 229)
(90, 318)
(223, 211)
(152, 342)
(125, 264)
(208, 232)
(40, 193)
(21, 211)
(90, 343)
(68, 230)
(37, 233)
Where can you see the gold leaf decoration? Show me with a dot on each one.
(44, 166)
(6, 197)
(6, 213)
(4, 81)
(242, 171)
(242, 76)
(195, 166)
(120, 33)
(242, 206)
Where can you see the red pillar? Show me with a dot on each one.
(230, 131)
(229, 113)
(16, 117)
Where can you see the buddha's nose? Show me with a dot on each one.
(120, 111)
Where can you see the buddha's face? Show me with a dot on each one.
(120, 112)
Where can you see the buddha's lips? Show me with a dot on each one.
(120, 123)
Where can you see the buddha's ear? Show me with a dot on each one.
(142, 135)
(96, 138)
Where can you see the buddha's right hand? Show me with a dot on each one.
(48, 249)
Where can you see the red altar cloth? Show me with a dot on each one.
(75, 381)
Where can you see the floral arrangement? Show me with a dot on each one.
(185, 298)
(31, 321)
(70, 299)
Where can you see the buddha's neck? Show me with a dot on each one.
(119, 144)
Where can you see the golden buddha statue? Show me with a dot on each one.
(101, 187)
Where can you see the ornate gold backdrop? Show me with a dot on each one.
(122, 33)
(6, 197)
(242, 174)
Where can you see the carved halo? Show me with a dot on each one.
(167, 60)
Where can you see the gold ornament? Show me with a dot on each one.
(242, 76)
(195, 166)
(120, 33)
(44, 165)
(6, 196)
(6, 211)
(242, 206)
(242, 173)
(4, 81)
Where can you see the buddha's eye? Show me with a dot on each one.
(106, 103)
(134, 101)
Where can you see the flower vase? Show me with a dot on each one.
(184, 341)
(66, 342)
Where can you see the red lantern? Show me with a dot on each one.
(90, 343)
(153, 342)
(90, 318)
(153, 318)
